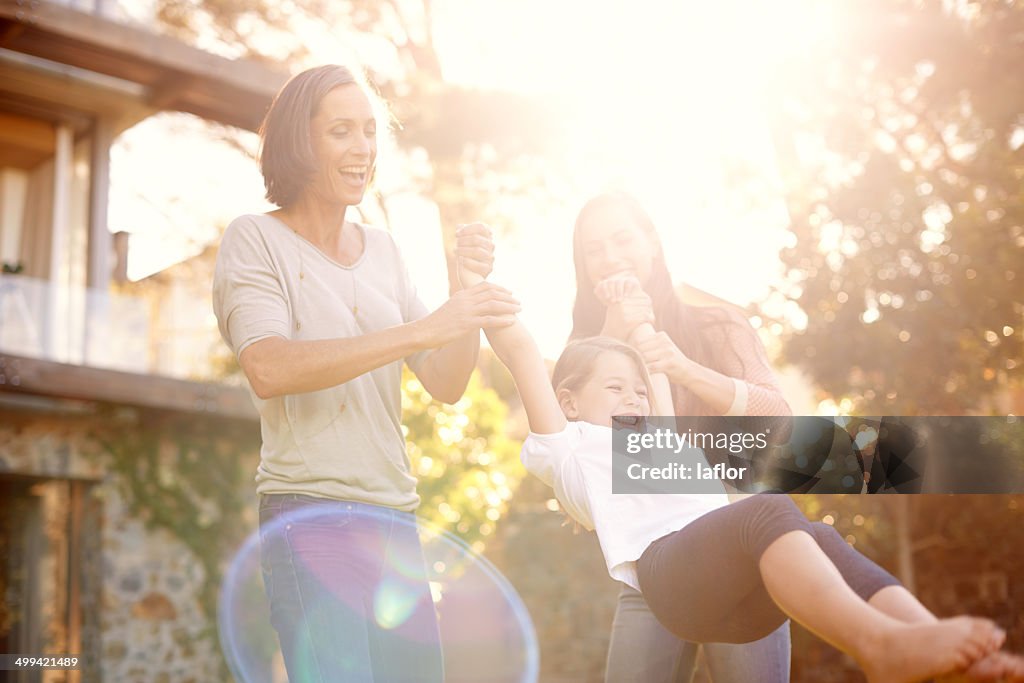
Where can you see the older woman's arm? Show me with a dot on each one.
(446, 371)
(276, 366)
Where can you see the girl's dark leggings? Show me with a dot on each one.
(704, 583)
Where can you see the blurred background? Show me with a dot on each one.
(850, 174)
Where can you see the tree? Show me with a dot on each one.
(902, 153)
(901, 150)
(468, 468)
(479, 157)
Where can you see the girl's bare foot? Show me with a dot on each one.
(906, 653)
(998, 666)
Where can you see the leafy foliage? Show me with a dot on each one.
(467, 467)
(903, 155)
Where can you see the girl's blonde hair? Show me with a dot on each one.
(576, 364)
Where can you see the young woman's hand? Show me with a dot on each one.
(627, 306)
(662, 355)
(474, 252)
(482, 305)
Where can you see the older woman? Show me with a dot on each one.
(321, 314)
(716, 366)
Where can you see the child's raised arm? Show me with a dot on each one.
(518, 351)
(661, 389)
(613, 292)
(516, 348)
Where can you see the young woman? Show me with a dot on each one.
(321, 313)
(717, 366)
(760, 559)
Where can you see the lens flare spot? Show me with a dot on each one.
(393, 604)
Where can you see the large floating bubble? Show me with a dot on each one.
(485, 631)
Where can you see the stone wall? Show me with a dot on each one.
(152, 624)
(140, 600)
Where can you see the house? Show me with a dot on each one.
(108, 544)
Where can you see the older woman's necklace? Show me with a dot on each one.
(354, 282)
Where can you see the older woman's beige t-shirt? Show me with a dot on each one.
(344, 442)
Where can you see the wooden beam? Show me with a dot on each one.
(57, 273)
(10, 32)
(84, 31)
(19, 157)
(99, 270)
(171, 91)
(47, 96)
(19, 374)
(30, 134)
(242, 89)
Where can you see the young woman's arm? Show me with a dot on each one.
(755, 390)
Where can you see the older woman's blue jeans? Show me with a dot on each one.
(348, 591)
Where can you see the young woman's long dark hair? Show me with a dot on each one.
(686, 325)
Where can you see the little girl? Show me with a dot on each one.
(713, 571)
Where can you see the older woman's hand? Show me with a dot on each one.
(483, 305)
(627, 306)
(474, 251)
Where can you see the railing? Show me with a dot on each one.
(75, 325)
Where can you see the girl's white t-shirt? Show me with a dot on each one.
(577, 464)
